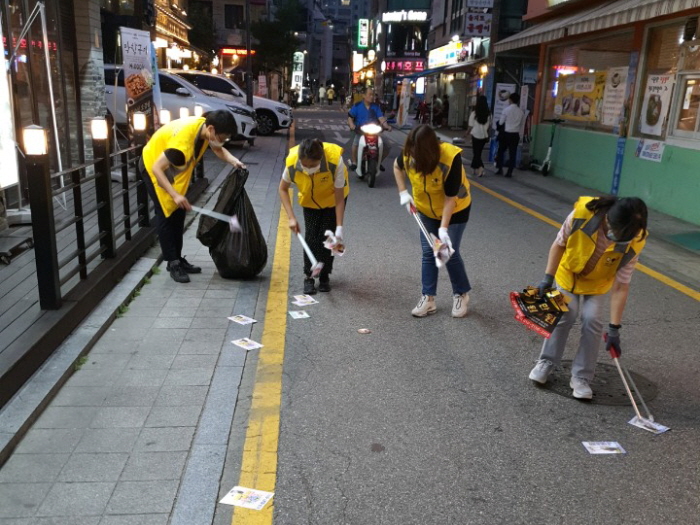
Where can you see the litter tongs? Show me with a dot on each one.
(441, 250)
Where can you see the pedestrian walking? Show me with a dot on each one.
(595, 252)
(479, 129)
(511, 119)
(443, 200)
(342, 96)
(321, 94)
(330, 93)
(166, 167)
(318, 171)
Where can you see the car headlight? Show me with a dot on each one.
(282, 110)
(242, 111)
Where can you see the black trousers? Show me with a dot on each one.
(507, 141)
(316, 222)
(478, 148)
(170, 229)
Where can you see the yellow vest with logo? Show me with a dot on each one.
(318, 190)
(429, 190)
(580, 247)
(180, 134)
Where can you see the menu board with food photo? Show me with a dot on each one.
(657, 98)
(138, 72)
(580, 97)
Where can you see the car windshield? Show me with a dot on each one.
(190, 85)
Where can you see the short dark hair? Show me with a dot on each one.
(311, 149)
(423, 146)
(514, 98)
(223, 122)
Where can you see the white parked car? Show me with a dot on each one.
(177, 93)
(271, 115)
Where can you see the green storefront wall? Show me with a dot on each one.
(587, 158)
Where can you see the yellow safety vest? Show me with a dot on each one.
(580, 247)
(429, 190)
(180, 134)
(317, 190)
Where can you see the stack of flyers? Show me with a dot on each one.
(298, 314)
(540, 314)
(242, 319)
(247, 498)
(247, 344)
(603, 447)
(304, 300)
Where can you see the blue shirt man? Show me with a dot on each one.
(360, 114)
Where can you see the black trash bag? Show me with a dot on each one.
(239, 255)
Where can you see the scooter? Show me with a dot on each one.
(370, 152)
(546, 165)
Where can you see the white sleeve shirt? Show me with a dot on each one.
(512, 117)
(339, 179)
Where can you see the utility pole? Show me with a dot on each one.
(249, 57)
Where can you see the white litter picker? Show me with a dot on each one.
(441, 250)
(232, 221)
(316, 266)
(645, 423)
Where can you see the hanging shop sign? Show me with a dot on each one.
(404, 66)
(236, 51)
(404, 16)
(297, 72)
(478, 24)
(363, 33)
(8, 157)
(138, 73)
(614, 97)
(580, 97)
(657, 98)
(650, 150)
(445, 55)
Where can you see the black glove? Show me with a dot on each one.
(546, 284)
(612, 340)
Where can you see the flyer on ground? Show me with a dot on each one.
(242, 319)
(247, 344)
(647, 424)
(604, 447)
(303, 300)
(540, 314)
(299, 314)
(247, 498)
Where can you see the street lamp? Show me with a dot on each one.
(99, 129)
(103, 186)
(483, 70)
(198, 111)
(34, 140)
(139, 121)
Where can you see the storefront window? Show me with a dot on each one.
(576, 79)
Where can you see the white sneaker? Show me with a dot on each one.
(425, 306)
(582, 388)
(541, 371)
(459, 305)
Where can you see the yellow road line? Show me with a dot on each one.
(259, 462)
(693, 294)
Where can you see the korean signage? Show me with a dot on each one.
(580, 97)
(363, 33)
(139, 76)
(236, 51)
(8, 157)
(445, 55)
(478, 24)
(481, 4)
(297, 72)
(403, 66)
(614, 97)
(650, 150)
(404, 16)
(657, 97)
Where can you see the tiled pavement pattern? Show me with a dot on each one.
(140, 432)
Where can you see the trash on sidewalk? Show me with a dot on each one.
(299, 314)
(540, 314)
(333, 244)
(364, 331)
(247, 498)
(242, 319)
(304, 300)
(247, 344)
(603, 447)
(240, 254)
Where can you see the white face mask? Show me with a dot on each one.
(311, 171)
(216, 143)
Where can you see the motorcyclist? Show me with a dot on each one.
(362, 113)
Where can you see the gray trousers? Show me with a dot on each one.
(590, 307)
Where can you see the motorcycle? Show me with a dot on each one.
(370, 151)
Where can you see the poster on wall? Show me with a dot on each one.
(580, 97)
(614, 97)
(138, 73)
(405, 102)
(650, 150)
(657, 98)
(503, 91)
(8, 156)
(262, 86)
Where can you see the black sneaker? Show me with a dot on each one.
(189, 268)
(382, 168)
(309, 286)
(324, 284)
(177, 272)
(352, 167)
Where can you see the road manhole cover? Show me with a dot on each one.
(607, 385)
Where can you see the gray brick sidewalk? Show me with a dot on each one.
(139, 434)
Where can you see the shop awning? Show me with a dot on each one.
(426, 72)
(612, 14)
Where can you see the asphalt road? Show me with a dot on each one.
(433, 421)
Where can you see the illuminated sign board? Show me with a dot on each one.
(363, 32)
(405, 16)
(404, 66)
(236, 51)
(445, 55)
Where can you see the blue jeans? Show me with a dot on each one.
(455, 266)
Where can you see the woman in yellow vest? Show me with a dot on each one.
(595, 252)
(318, 171)
(443, 200)
(166, 167)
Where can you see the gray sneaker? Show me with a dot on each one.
(541, 371)
(425, 306)
(582, 388)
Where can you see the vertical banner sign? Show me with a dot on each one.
(614, 97)
(138, 73)
(503, 91)
(404, 105)
(157, 99)
(8, 157)
(363, 33)
(622, 139)
(657, 99)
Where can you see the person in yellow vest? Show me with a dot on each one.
(443, 200)
(166, 167)
(318, 171)
(594, 253)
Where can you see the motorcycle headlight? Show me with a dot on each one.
(371, 129)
